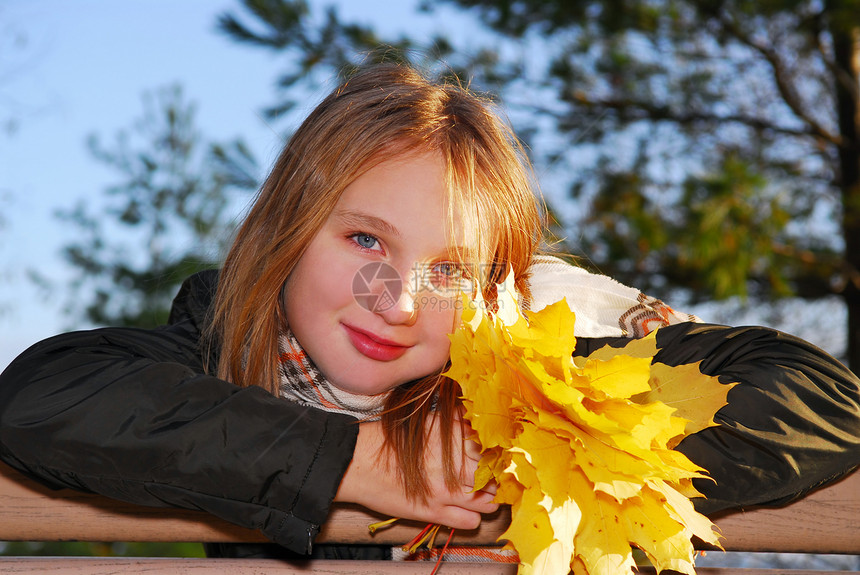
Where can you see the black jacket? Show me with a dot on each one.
(131, 414)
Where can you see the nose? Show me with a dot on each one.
(403, 308)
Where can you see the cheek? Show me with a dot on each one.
(440, 322)
(321, 287)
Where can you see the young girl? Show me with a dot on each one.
(307, 370)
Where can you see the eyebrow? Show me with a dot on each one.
(362, 220)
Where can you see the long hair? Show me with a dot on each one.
(378, 113)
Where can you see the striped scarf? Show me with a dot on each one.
(603, 306)
(304, 384)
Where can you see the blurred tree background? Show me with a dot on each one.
(698, 150)
(710, 148)
(174, 188)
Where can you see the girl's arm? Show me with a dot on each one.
(129, 414)
(372, 481)
(791, 424)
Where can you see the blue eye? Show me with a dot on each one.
(448, 269)
(366, 241)
(449, 276)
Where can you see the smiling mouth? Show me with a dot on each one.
(373, 347)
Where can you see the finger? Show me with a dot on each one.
(472, 449)
(467, 476)
(467, 473)
(478, 501)
(491, 487)
(459, 517)
(481, 502)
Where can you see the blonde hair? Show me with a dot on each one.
(380, 112)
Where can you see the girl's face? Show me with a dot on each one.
(372, 300)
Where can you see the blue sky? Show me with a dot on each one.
(71, 68)
(81, 67)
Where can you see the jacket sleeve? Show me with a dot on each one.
(130, 414)
(791, 424)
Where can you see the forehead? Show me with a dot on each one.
(407, 195)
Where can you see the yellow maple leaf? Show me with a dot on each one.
(619, 376)
(642, 347)
(546, 333)
(694, 396)
(530, 530)
(601, 544)
(581, 448)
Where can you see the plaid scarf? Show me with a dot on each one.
(304, 384)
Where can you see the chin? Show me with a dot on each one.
(362, 387)
(359, 385)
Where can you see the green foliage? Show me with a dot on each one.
(168, 217)
(723, 229)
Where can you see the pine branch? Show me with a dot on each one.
(781, 77)
(657, 112)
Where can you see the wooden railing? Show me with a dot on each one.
(826, 521)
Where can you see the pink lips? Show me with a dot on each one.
(373, 346)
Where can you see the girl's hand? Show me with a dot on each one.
(373, 482)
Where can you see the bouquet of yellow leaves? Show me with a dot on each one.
(582, 448)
